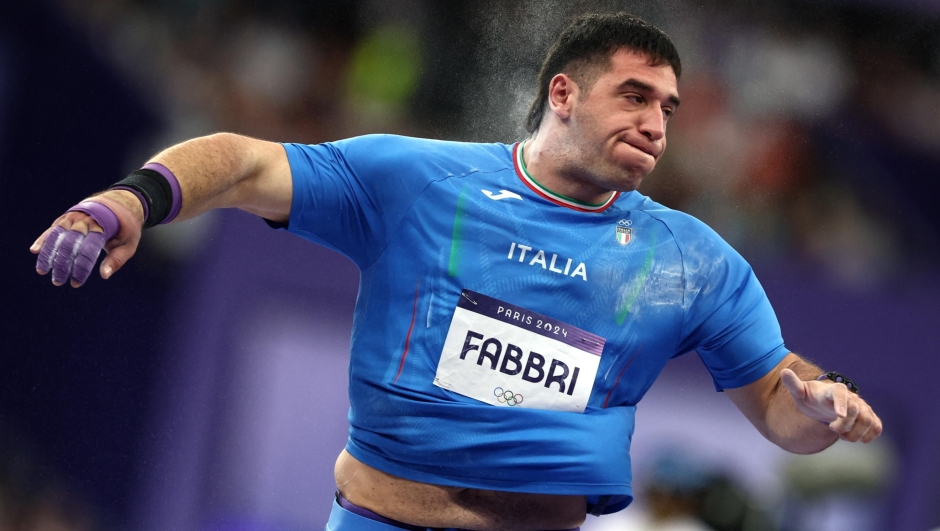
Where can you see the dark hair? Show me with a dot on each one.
(592, 39)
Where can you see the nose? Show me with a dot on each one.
(653, 123)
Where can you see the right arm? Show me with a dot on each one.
(231, 171)
(217, 171)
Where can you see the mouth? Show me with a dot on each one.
(649, 151)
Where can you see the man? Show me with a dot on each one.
(515, 302)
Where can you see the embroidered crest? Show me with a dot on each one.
(624, 232)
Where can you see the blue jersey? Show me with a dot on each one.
(503, 334)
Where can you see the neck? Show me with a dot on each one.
(549, 164)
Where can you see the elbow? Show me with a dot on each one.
(807, 442)
(225, 144)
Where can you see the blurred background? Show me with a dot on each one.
(203, 387)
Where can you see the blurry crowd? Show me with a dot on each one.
(794, 133)
(300, 71)
(681, 490)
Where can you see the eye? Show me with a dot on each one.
(634, 98)
(667, 112)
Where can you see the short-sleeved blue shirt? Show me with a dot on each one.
(426, 219)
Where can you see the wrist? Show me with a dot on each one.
(157, 191)
(836, 377)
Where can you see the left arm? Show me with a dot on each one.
(801, 415)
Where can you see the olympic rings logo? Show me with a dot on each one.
(507, 397)
(625, 222)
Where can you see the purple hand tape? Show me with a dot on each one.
(87, 255)
(49, 249)
(69, 253)
(174, 185)
(62, 263)
(103, 216)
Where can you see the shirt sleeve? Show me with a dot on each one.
(352, 194)
(729, 322)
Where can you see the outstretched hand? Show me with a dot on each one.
(70, 247)
(846, 413)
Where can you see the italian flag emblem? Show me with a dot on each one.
(624, 234)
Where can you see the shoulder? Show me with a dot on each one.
(398, 150)
(687, 230)
(381, 158)
(702, 249)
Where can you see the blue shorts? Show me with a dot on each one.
(342, 519)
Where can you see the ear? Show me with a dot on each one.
(562, 94)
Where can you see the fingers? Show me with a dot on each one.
(823, 401)
(873, 431)
(845, 423)
(69, 249)
(65, 255)
(839, 394)
(845, 412)
(859, 424)
(117, 257)
(49, 249)
(37, 245)
(86, 257)
(794, 385)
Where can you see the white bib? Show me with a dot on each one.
(505, 355)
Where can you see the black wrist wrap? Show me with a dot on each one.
(156, 191)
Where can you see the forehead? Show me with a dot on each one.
(629, 64)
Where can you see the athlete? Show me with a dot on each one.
(515, 302)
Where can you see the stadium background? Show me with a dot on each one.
(204, 386)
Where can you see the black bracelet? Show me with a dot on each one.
(839, 378)
(155, 190)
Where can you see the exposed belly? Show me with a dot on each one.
(429, 505)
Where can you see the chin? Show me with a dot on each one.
(633, 175)
(636, 164)
(626, 173)
(631, 186)
(624, 183)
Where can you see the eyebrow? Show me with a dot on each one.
(639, 85)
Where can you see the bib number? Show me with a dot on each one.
(505, 355)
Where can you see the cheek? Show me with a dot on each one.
(620, 124)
